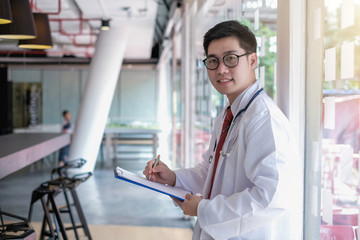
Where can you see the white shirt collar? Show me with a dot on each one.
(242, 100)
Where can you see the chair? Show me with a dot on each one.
(50, 189)
(345, 219)
(126, 145)
(16, 230)
(357, 233)
(328, 232)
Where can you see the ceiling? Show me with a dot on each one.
(75, 25)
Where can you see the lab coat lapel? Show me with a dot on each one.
(217, 130)
(240, 102)
(207, 184)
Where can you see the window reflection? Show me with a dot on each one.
(341, 120)
(261, 19)
(209, 102)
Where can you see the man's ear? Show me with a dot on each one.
(253, 60)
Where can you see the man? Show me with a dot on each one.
(66, 128)
(245, 179)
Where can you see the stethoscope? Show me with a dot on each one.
(231, 125)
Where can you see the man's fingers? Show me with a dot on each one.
(150, 165)
(188, 196)
(155, 169)
(148, 169)
(179, 202)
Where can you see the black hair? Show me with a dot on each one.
(64, 112)
(231, 28)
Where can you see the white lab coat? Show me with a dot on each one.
(253, 190)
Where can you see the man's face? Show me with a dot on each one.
(231, 81)
(67, 117)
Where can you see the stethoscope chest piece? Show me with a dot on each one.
(225, 154)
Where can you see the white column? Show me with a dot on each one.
(283, 56)
(96, 101)
(186, 85)
(164, 104)
(291, 44)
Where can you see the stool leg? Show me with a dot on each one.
(58, 217)
(46, 219)
(57, 227)
(80, 213)
(68, 204)
(115, 150)
(102, 155)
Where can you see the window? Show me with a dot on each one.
(341, 123)
(260, 16)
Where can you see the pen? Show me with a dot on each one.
(155, 164)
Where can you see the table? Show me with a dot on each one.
(20, 150)
(131, 136)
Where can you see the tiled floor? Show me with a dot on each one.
(105, 200)
(116, 232)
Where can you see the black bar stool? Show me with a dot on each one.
(16, 230)
(50, 189)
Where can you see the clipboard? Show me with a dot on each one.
(127, 176)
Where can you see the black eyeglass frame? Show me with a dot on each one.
(238, 56)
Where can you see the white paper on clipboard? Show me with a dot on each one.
(127, 176)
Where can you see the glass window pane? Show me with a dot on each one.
(341, 123)
(208, 101)
(261, 17)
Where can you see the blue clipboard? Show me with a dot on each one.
(133, 178)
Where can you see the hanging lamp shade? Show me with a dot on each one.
(22, 26)
(105, 24)
(43, 39)
(5, 12)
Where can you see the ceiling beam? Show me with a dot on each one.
(61, 60)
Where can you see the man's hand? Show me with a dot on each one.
(161, 173)
(189, 205)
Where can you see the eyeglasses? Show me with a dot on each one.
(230, 60)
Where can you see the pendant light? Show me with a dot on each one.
(22, 26)
(105, 24)
(43, 39)
(5, 12)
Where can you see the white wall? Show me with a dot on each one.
(135, 97)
